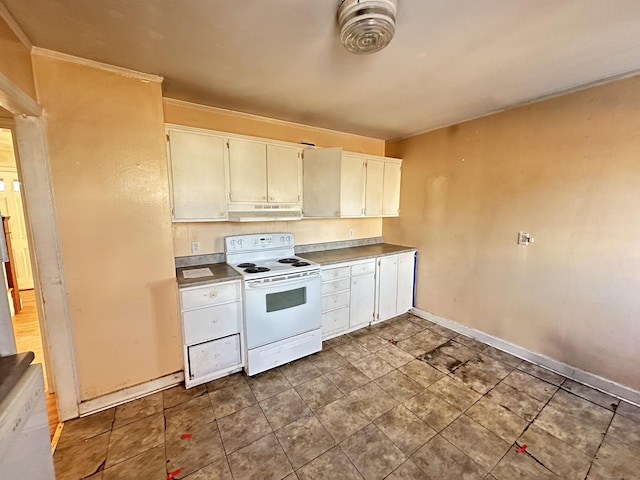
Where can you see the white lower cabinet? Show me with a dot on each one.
(336, 296)
(394, 288)
(363, 288)
(356, 294)
(211, 328)
(210, 357)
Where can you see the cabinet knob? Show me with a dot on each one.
(212, 294)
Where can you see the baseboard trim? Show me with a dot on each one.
(132, 393)
(590, 379)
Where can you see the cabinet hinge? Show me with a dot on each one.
(168, 138)
(227, 143)
(173, 212)
(229, 196)
(298, 197)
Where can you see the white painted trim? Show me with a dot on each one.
(14, 99)
(251, 116)
(48, 271)
(590, 379)
(13, 25)
(131, 393)
(125, 72)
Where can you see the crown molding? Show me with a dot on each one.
(251, 116)
(13, 25)
(125, 72)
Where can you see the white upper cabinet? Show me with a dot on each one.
(391, 187)
(374, 187)
(283, 174)
(247, 171)
(263, 172)
(352, 183)
(340, 184)
(197, 170)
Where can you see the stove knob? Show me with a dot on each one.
(239, 243)
(288, 238)
(282, 239)
(233, 243)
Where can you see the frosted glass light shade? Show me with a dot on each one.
(367, 26)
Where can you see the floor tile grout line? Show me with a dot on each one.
(595, 455)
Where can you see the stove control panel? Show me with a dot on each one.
(258, 241)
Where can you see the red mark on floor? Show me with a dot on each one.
(172, 475)
(184, 436)
(522, 448)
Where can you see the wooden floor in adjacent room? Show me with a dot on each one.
(27, 331)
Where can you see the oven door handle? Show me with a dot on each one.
(300, 280)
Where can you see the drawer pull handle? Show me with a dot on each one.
(212, 294)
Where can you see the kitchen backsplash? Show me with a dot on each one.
(192, 260)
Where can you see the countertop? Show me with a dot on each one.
(221, 273)
(339, 255)
(11, 369)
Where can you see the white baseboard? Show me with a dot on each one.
(590, 379)
(132, 393)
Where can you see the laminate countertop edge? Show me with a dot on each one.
(350, 254)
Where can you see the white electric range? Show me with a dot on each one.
(282, 299)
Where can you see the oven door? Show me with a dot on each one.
(282, 307)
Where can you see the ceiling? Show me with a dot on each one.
(451, 60)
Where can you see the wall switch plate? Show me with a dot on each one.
(524, 238)
(195, 247)
(350, 233)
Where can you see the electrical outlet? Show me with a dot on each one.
(350, 233)
(195, 247)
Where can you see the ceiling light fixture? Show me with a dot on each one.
(367, 26)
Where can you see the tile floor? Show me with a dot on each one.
(436, 405)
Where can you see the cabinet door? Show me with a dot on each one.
(374, 187)
(197, 176)
(352, 186)
(406, 262)
(387, 287)
(362, 305)
(391, 189)
(283, 174)
(247, 170)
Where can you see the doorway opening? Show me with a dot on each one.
(18, 273)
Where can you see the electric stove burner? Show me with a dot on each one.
(256, 269)
(300, 264)
(288, 260)
(246, 265)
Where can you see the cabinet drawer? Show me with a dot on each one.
(334, 273)
(209, 357)
(329, 302)
(335, 286)
(362, 268)
(335, 320)
(208, 323)
(209, 295)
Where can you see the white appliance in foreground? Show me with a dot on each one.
(24, 430)
(282, 299)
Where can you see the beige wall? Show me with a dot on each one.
(108, 166)
(15, 60)
(211, 235)
(568, 171)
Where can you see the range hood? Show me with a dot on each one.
(264, 212)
